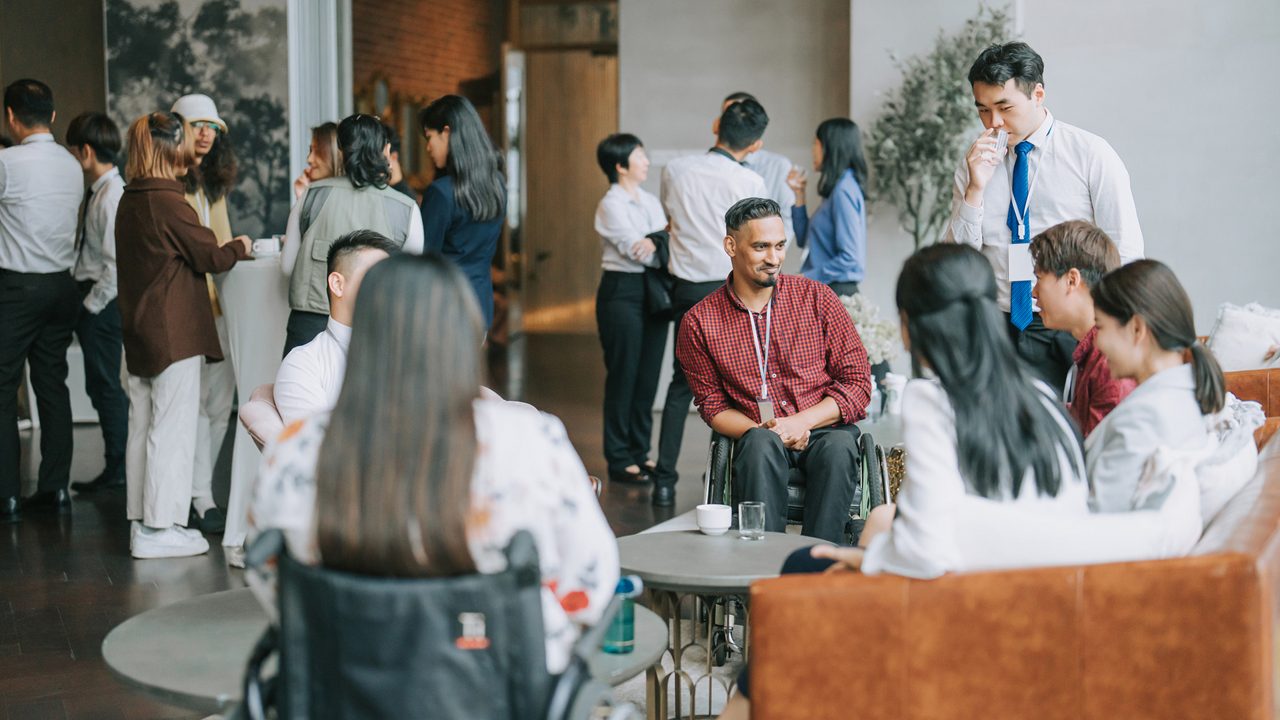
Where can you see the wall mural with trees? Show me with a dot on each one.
(235, 51)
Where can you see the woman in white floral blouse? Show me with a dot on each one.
(415, 474)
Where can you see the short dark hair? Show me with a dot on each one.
(748, 209)
(1014, 60)
(31, 102)
(742, 123)
(616, 150)
(353, 242)
(1075, 244)
(97, 131)
(738, 96)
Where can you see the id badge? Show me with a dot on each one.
(1020, 265)
(766, 409)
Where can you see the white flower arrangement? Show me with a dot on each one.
(880, 337)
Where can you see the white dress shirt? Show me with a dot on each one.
(696, 192)
(97, 258)
(1161, 412)
(622, 221)
(936, 531)
(41, 187)
(773, 169)
(1074, 175)
(310, 377)
(526, 477)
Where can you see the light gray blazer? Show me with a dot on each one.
(1160, 412)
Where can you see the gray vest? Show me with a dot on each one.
(330, 209)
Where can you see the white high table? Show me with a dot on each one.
(255, 300)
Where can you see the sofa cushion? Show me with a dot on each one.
(1242, 336)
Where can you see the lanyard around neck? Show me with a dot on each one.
(762, 359)
(1019, 213)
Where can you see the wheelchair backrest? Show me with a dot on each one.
(368, 647)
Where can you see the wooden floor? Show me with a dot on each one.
(66, 581)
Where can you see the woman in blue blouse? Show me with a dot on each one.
(462, 209)
(836, 236)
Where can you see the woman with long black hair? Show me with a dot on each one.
(836, 235)
(462, 209)
(358, 198)
(980, 427)
(417, 474)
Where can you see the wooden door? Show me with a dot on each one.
(571, 103)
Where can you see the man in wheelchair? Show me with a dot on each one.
(776, 364)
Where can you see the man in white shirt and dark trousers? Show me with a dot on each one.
(1051, 172)
(95, 141)
(40, 191)
(770, 166)
(310, 377)
(696, 192)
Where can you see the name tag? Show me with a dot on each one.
(1020, 265)
(766, 410)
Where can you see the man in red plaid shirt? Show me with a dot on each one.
(775, 363)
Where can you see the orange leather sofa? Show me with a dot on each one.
(1189, 638)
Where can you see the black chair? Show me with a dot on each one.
(870, 488)
(351, 646)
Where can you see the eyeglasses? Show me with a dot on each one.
(206, 125)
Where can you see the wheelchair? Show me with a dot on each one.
(871, 489)
(351, 646)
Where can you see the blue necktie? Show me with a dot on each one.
(1020, 290)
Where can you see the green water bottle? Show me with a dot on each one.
(621, 636)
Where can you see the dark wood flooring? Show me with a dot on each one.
(65, 581)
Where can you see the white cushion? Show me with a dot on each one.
(1243, 335)
(1234, 458)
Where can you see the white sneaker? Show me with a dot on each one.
(167, 543)
(189, 532)
(235, 555)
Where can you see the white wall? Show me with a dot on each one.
(1184, 90)
(677, 59)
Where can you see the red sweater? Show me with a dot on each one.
(1096, 392)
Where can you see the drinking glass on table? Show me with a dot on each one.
(751, 520)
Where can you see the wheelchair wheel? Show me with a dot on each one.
(719, 648)
(872, 472)
(719, 463)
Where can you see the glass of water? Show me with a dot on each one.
(751, 520)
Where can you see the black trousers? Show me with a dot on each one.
(1047, 353)
(37, 317)
(761, 465)
(102, 343)
(303, 327)
(684, 295)
(633, 342)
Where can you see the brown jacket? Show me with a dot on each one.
(163, 252)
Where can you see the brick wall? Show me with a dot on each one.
(425, 48)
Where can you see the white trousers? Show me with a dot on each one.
(162, 440)
(217, 391)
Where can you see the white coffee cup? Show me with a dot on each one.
(714, 519)
(265, 247)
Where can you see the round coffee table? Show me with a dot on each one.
(193, 653)
(716, 572)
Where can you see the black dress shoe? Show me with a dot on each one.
(629, 477)
(57, 500)
(102, 482)
(10, 510)
(213, 522)
(664, 495)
